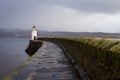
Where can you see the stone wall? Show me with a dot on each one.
(100, 58)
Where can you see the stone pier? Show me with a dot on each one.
(48, 63)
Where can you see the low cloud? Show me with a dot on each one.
(63, 15)
(67, 19)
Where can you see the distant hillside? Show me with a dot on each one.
(27, 33)
(14, 33)
(87, 34)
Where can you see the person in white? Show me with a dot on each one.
(34, 33)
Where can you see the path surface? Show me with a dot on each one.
(49, 63)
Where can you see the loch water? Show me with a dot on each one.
(12, 54)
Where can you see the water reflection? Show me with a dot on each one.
(12, 54)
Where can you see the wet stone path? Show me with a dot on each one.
(49, 63)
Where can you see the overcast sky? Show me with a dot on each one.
(61, 15)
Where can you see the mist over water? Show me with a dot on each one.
(12, 54)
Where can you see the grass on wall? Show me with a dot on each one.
(100, 58)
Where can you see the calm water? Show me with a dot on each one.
(12, 54)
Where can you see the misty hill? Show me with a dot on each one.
(27, 33)
(86, 34)
(20, 33)
(13, 33)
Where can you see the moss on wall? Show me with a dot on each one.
(100, 58)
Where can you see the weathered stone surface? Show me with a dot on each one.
(49, 63)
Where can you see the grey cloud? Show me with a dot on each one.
(102, 6)
(70, 15)
(92, 6)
